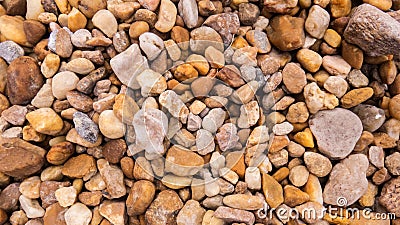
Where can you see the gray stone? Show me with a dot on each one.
(371, 116)
(85, 127)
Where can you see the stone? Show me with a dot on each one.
(299, 175)
(259, 40)
(248, 13)
(140, 197)
(20, 158)
(371, 117)
(12, 29)
(78, 214)
(282, 128)
(60, 42)
(294, 78)
(392, 163)
(110, 126)
(213, 120)
(18, 217)
(389, 194)
(151, 83)
(317, 100)
(23, 80)
(272, 190)
(166, 16)
(281, 7)
(60, 152)
(376, 156)
(45, 121)
(336, 65)
(191, 213)
(106, 22)
(9, 197)
(226, 24)
(394, 106)
(203, 37)
(47, 191)
(113, 177)
(286, 32)
(309, 59)
(50, 65)
(337, 132)
(30, 187)
(15, 7)
(10, 50)
(15, 115)
(204, 142)
(336, 85)
(352, 54)
(347, 181)
(356, 97)
(373, 41)
(128, 65)
(79, 38)
(227, 137)
(66, 196)
(294, 196)
(80, 66)
(114, 150)
(92, 198)
(113, 211)
(81, 166)
(297, 113)
(151, 44)
(230, 215)
(76, 20)
(243, 201)
(182, 162)
(317, 21)
(188, 10)
(317, 164)
(54, 215)
(62, 83)
(150, 5)
(85, 127)
(164, 208)
(230, 77)
(138, 28)
(340, 8)
(31, 207)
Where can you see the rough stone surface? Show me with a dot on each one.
(164, 208)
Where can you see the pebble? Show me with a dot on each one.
(356, 97)
(151, 5)
(282, 128)
(317, 164)
(204, 142)
(394, 106)
(30, 187)
(110, 126)
(230, 215)
(79, 38)
(15, 115)
(317, 21)
(294, 78)
(151, 83)
(357, 79)
(294, 196)
(164, 208)
(23, 80)
(60, 152)
(276, 6)
(140, 197)
(60, 42)
(249, 115)
(76, 20)
(371, 117)
(309, 59)
(340, 8)
(336, 85)
(113, 211)
(171, 101)
(185, 72)
(18, 217)
(227, 137)
(188, 10)
(336, 65)
(272, 190)
(298, 175)
(9, 197)
(78, 214)
(45, 121)
(365, 20)
(85, 127)
(66, 196)
(226, 24)
(151, 44)
(297, 113)
(317, 100)
(73, 136)
(352, 54)
(203, 37)
(243, 201)
(62, 83)
(166, 16)
(259, 40)
(50, 65)
(253, 178)
(347, 180)
(230, 77)
(376, 156)
(214, 57)
(182, 162)
(191, 213)
(392, 163)
(106, 22)
(47, 190)
(81, 166)
(12, 29)
(248, 13)
(213, 120)
(80, 65)
(389, 195)
(31, 207)
(286, 32)
(332, 125)
(10, 50)
(245, 93)
(114, 179)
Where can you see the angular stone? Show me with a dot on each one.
(10, 50)
(227, 137)
(317, 21)
(191, 213)
(204, 142)
(106, 22)
(164, 208)
(277, 6)
(113, 211)
(294, 78)
(80, 166)
(114, 179)
(78, 214)
(286, 32)
(226, 24)
(140, 197)
(272, 190)
(389, 196)
(31, 207)
(45, 121)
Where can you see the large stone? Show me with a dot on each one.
(19, 158)
(183, 162)
(191, 213)
(373, 31)
(347, 181)
(337, 132)
(164, 208)
(140, 197)
(166, 16)
(189, 12)
(226, 24)
(286, 32)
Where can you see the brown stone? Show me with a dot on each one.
(356, 97)
(394, 107)
(24, 80)
(286, 32)
(230, 77)
(114, 150)
(47, 191)
(80, 101)
(272, 190)
(294, 78)
(9, 197)
(90, 7)
(140, 197)
(92, 198)
(34, 31)
(55, 215)
(226, 24)
(59, 153)
(390, 195)
(164, 208)
(79, 166)
(353, 55)
(294, 196)
(15, 7)
(340, 8)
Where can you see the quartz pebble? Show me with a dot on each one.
(9, 51)
(78, 214)
(106, 22)
(66, 196)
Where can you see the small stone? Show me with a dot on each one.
(332, 38)
(294, 196)
(282, 128)
(299, 175)
(81, 166)
(47, 190)
(62, 83)
(12, 29)
(85, 127)
(389, 195)
(213, 120)
(15, 115)
(92, 198)
(106, 22)
(114, 150)
(317, 100)
(317, 21)
(253, 178)
(46, 121)
(23, 80)
(171, 101)
(294, 78)
(31, 207)
(340, 8)
(317, 164)
(9, 197)
(60, 43)
(347, 180)
(60, 152)
(54, 215)
(114, 212)
(272, 190)
(151, 44)
(230, 77)
(140, 197)
(114, 179)
(151, 83)
(309, 59)
(376, 156)
(392, 163)
(286, 32)
(243, 201)
(366, 20)
(50, 65)
(78, 214)
(259, 40)
(164, 208)
(188, 10)
(356, 97)
(357, 79)
(79, 38)
(76, 20)
(204, 142)
(18, 217)
(336, 85)
(182, 162)
(230, 215)
(166, 17)
(138, 28)
(80, 66)
(66, 196)
(227, 137)
(248, 13)
(10, 50)
(338, 124)
(191, 213)
(371, 117)
(245, 93)
(297, 113)
(203, 37)
(352, 54)
(30, 187)
(110, 126)
(394, 106)
(336, 65)
(226, 24)
(214, 57)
